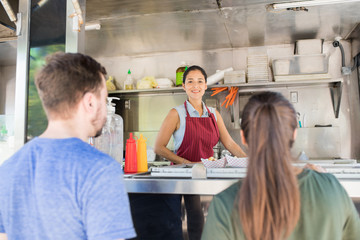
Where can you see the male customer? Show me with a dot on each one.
(58, 186)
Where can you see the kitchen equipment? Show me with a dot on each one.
(142, 165)
(130, 156)
(341, 168)
(301, 67)
(234, 77)
(309, 46)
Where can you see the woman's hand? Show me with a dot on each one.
(315, 167)
(170, 124)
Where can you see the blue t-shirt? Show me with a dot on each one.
(63, 189)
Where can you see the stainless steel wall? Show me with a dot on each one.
(7, 76)
(354, 109)
(314, 103)
(7, 89)
(7, 97)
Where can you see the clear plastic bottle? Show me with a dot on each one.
(180, 73)
(129, 83)
(111, 140)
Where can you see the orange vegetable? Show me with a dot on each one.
(217, 90)
(230, 98)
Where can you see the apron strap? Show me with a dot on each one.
(187, 113)
(209, 113)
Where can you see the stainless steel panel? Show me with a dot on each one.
(22, 70)
(321, 142)
(7, 89)
(203, 187)
(146, 114)
(140, 27)
(177, 186)
(8, 53)
(172, 31)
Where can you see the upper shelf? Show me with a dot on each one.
(334, 84)
(243, 87)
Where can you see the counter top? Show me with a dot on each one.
(147, 184)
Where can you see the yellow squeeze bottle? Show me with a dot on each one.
(142, 165)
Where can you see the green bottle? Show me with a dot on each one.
(179, 74)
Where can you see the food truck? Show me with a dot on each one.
(307, 50)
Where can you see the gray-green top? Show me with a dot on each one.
(327, 212)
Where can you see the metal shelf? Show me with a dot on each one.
(335, 86)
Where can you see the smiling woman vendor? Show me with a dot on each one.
(196, 130)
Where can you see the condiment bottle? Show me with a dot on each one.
(130, 156)
(179, 74)
(142, 165)
(128, 83)
(117, 123)
(111, 139)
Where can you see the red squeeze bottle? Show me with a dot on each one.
(130, 156)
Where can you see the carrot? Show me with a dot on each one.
(217, 90)
(234, 96)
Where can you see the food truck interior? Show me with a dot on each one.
(152, 39)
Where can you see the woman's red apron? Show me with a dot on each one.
(201, 135)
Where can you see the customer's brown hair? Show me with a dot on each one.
(269, 198)
(64, 79)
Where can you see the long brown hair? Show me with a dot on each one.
(269, 198)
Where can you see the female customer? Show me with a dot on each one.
(196, 130)
(277, 200)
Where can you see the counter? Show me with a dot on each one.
(148, 184)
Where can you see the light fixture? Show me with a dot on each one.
(92, 26)
(310, 3)
(8, 10)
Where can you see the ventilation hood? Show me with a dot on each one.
(142, 26)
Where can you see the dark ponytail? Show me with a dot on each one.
(269, 198)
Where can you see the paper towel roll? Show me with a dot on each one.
(217, 76)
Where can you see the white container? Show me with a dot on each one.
(236, 162)
(234, 77)
(309, 46)
(215, 163)
(218, 76)
(301, 65)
